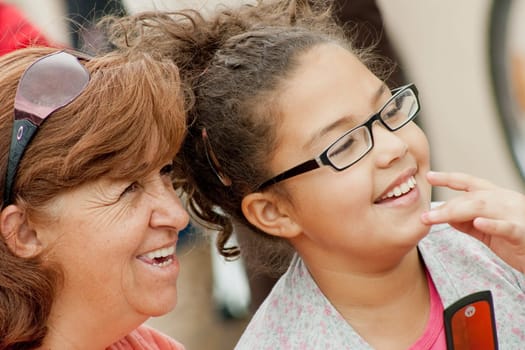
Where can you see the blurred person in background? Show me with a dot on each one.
(16, 31)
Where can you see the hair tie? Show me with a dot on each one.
(213, 161)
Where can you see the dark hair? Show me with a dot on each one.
(235, 63)
(105, 131)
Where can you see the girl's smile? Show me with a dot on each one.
(400, 190)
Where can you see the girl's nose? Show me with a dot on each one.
(389, 146)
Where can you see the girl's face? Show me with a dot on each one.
(345, 214)
(115, 241)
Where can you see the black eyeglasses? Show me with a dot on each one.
(348, 149)
(48, 84)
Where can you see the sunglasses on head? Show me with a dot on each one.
(470, 323)
(48, 84)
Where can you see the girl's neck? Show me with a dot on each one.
(392, 304)
(371, 288)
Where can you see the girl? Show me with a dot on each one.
(294, 139)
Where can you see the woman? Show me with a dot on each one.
(89, 217)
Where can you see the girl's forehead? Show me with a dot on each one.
(330, 84)
(326, 69)
(327, 76)
(323, 53)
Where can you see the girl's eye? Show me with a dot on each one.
(345, 146)
(167, 170)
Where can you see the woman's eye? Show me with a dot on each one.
(133, 187)
(167, 170)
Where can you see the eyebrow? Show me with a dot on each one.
(344, 120)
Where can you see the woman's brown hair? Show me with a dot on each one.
(235, 63)
(105, 131)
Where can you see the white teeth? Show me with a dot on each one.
(405, 187)
(160, 253)
(164, 263)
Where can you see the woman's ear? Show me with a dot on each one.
(18, 235)
(268, 213)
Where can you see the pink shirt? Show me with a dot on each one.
(146, 338)
(434, 336)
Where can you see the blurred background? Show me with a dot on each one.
(467, 59)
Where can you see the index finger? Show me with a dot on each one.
(459, 181)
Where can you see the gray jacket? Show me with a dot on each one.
(296, 314)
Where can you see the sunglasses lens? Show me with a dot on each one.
(470, 325)
(48, 84)
(472, 328)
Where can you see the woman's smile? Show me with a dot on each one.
(160, 257)
(162, 262)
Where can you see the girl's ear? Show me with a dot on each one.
(17, 233)
(268, 213)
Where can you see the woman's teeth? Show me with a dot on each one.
(161, 257)
(163, 263)
(161, 253)
(400, 190)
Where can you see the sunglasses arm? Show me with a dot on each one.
(23, 132)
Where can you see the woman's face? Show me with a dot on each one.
(115, 241)
(344, 215)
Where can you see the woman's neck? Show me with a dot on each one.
(392, 304)
(76, 327)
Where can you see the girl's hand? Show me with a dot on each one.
(493, 215)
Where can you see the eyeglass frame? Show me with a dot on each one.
(27, 122)
(323, 159)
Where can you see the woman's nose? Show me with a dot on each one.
(168, 210)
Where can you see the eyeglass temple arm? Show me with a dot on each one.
(297, 170)
(23, 132)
